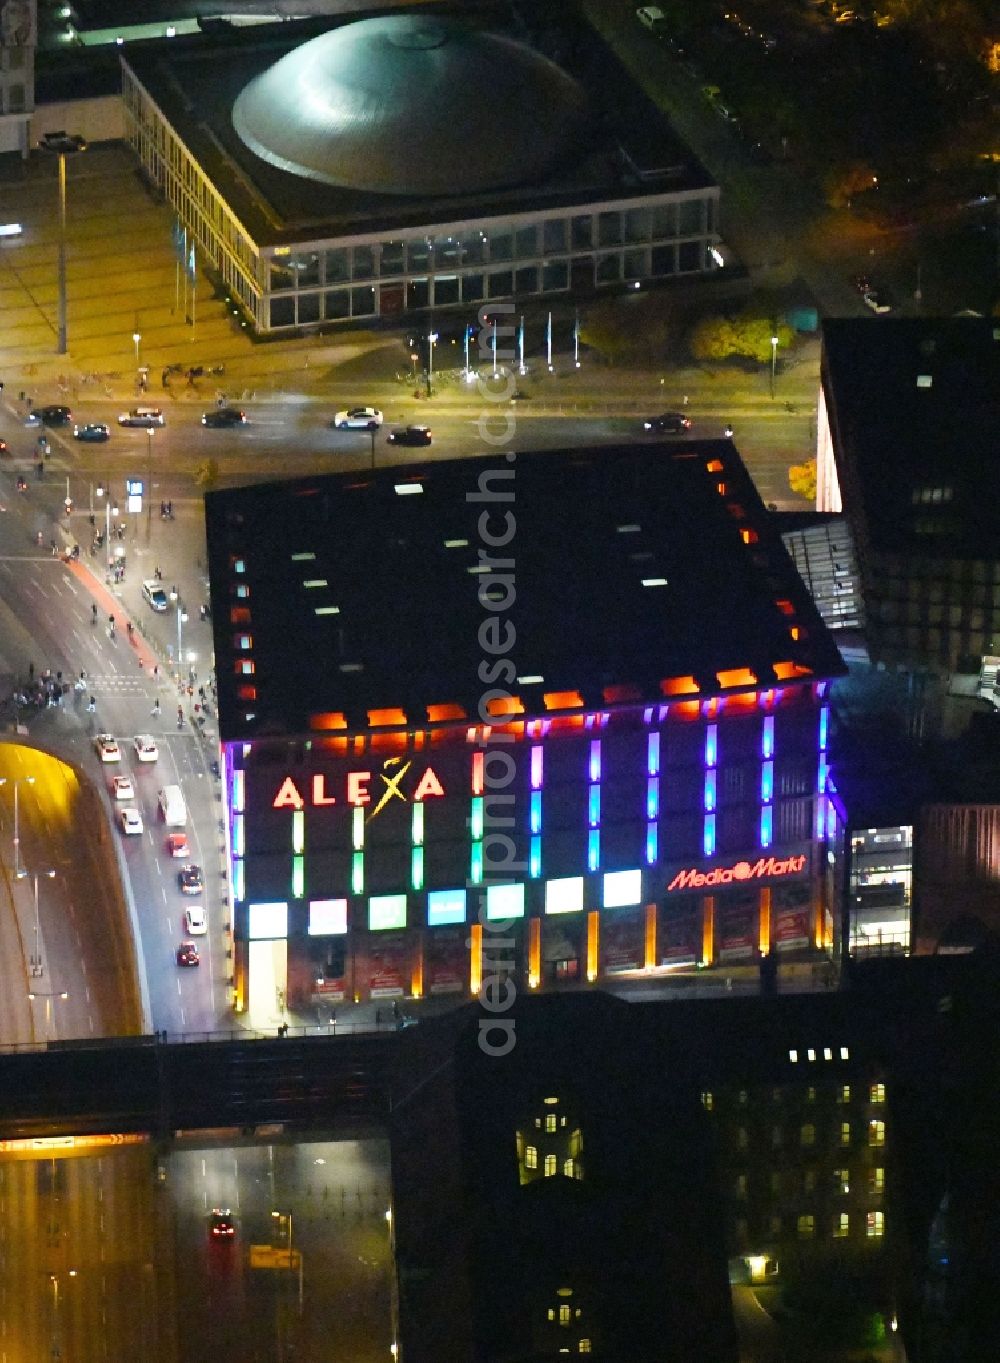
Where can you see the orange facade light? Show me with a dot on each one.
(787, 671)
(708, 930)
(331, 719)
(593, 944)
(562, 700)
(439, 714)
(475, 958)
(391, 715)
(504, 705)
(534, 952)
(737, 676)
(679, 686)
(764, 921)
(649, 956)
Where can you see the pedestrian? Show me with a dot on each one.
(156, 672)
(92, 704)
(31, 671)
(685, 402)
(157, 573)
(155, 712)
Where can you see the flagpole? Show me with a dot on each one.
(194, 285)
(183, 264)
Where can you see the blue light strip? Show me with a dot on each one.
(824, 726)
(709, 838)
(595, 760)
(594, 807)
(711, 790)
(535, 858)
(766, 825)
(653, 797)
(766, 782)
(653, 755)
(710, 793)
(593, 849)
(652, 844)
(767, 738)
(535, 812)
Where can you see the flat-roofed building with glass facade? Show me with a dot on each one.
(413, 162)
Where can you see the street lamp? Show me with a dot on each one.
(37, 968)
(774, 360)
(181, 620)
(149, 484)
(19, 872)
(48, 997)
(62, 144)
(137, 337)
(431, 338)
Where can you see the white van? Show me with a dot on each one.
(173, 811)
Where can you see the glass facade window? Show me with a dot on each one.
(688, 257)
(663, 261)
(501, 245)
(638, 224)
(664, 221)
(445, 906)
(282, 312)
(473, 249)
(582, 233)
(876, 1134)
(363, 302)
(689, 218)
(609, 269)
(472, 288)
(636, 264)
(531, 1157)
(526, 242)
(386, 911)
(391, 254)
(609, 229)
(418, 255)
(550, 1171)
(876, 1093)
(338, 266)
(307, 309)
(418, 293)
(327, 917)
(875, 1225)
(554, 236)
(526, 280)
(363, 262)
(337, 304)
(501, 283)
(447, 253)
(841, 1225)
(806, 1227)
(555, 276)
(446, 289)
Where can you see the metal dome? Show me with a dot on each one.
(408, 104)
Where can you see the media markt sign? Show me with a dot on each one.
(755, 869)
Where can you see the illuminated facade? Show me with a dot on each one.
(386, 852)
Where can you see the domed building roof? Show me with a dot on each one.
(411, 104)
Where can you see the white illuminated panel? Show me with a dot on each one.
(504, 901)
(267, 921)
(445, 906)
(327, 917)
(622, 888)
(386, 911)
(564, 895)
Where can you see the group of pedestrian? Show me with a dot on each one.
(116, 567)
(42, 690)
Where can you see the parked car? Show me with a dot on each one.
(154, 595)
(358, 419)
(94, 432)
(147, 417)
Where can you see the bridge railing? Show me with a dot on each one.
(333, 1029)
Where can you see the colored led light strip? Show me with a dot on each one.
(767, 738)
(535, 812)
(298, 877)
(417, 824)
(653, 797)
(593, 849)
(535, 858)
(417, 868)
(766, 825)
(238, 840)
(708, 841)
(417, 846)
(239, 881)
(595, 761)
(478, 773)
(653, 755)
(537, 767)
(298, 830)
(652, 844)
(476, 818)
(594, 807)
(358, 873)
(711, 745)
(710, 792)
(766, 782)
(824, 726)
(358, 855)
(476, 864)
(239, 791)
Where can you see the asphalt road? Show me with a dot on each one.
(103, 1259)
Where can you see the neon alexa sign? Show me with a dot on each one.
(356, 788)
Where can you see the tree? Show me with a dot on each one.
(629, 327)
(743, 336)
(802, 480)
(207, 474)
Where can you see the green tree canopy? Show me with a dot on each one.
(746, 335)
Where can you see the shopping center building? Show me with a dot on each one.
(413, 162)
(557, 715)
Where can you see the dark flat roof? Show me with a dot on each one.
(916, 407)
(195, 81)
(589, 526)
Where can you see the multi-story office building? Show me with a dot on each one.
(568, 709)
(18, 39)
(907, 447)
(413, 162)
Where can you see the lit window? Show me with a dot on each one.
(531, 1157)
(327, 917)
(744, 1098)
(386, 911)
(445, 906)
(810, 1094)
(565, 1312)
(707, 1100)
(807, 1136)
(621, 889)
(538, 1123)
(876, 1134)
(841, 1225)
(267, 922)
(504, 901)
(550, 1122)
(585, 1346)
(564, 895)
(551, 1166)
(876, 1094)
(568, 1168)
(875, 1225)
(842, 1181)
(806, 1227)
(845, 1133)
(844, 1053)
(844, 1093)
(876, 1179)
(793, 1056)
(244, 667)
(810, 1054)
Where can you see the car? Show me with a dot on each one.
(4, 448)
(123, 788)
(220, 1224)
(358, 419)
(177, 846)
(187, 954)
(93, 432)
(225, 416)
(877, 302)
(107, 749)
(667, 423)
(145, 748)
(147, 417)
(130, 820)
(32, 419)
(410, 435)
(189, 880)
(154, 595)
(54, 415)
(195, 922)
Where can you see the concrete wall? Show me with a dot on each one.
(98, 120)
